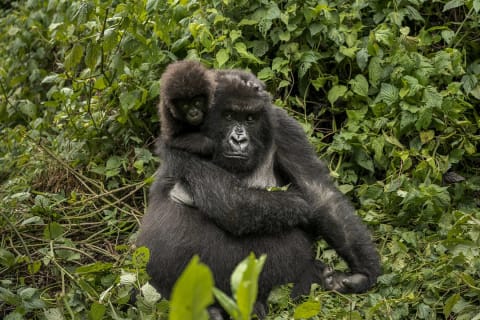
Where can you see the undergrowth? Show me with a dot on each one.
(387, 91)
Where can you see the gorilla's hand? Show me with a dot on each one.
(180, 195)
(344, 282)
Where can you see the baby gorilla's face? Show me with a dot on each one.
(192, 110)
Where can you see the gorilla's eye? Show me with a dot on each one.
(228, 116)
(250, 118)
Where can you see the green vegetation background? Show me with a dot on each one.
(387, 91)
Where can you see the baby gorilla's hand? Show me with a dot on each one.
(180, 195)
(344, 282)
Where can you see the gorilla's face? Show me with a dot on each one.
(241, 131)
(191, 110)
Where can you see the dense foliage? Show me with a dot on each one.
(387, 91)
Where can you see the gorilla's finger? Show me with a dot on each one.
(355, 282)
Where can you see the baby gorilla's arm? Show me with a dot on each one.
(193, 142)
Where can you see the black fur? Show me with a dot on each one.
(186, 91)
(255, 145)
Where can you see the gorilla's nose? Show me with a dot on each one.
(238, 139)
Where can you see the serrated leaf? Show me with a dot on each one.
(336, 92)
(359, 85)
(388, 94)
(348, 52)
(140, 257)
(432, 98)
(128, 278)
(384, 35)
(150, 294)
(410, 86)
(424, 119)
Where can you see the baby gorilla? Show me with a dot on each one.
(192, 110)
(186, 90)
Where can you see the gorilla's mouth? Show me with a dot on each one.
(235, 155)
(195, 118)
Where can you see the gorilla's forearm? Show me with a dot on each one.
(193, 142)
(233, 206)
(334, 217)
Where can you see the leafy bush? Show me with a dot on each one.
(387, 91)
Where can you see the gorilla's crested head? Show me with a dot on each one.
(239, 123)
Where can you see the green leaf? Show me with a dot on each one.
(7, 259)
(424, 119)
(92, 55)
(348, 52)
(245, 283)
(375, 71)
(52, 231)
(363, 159)
(140, 257)
(410, 86)
(427, 136)
(94, 267)
(449, 304)
(192, 293)
(243, 52)
(307, 310)
(453, 4)
(432, 98)
(97, 311)
(388, 94)
(336, 92)
(56, 314)
(448, 36)
(28, 108)
(362, 58)
(359, 85)
(31, 298)
(384, 35)
(150, 294)
(227, 303)
(222, 57)
(476, 5)
(73, 58)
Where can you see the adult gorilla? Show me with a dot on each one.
(255, 146)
